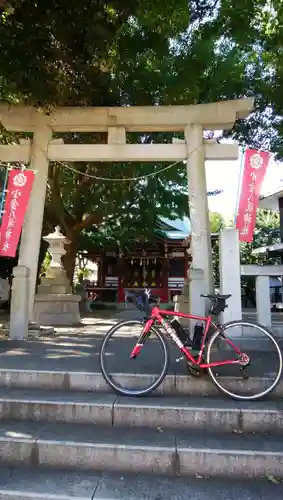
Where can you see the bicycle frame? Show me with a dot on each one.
(157, 315)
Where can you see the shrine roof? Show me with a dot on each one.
(177, 229)
(276, 247)
(270, 200)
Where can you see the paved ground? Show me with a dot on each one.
(77, 349)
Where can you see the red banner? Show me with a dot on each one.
(255, 167)
(18, 192)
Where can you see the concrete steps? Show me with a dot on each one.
(172, 385)
(191, 413)
(167, 451)
(173, 436)
(49, 424)
(34, 484)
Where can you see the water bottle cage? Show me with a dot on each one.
(197, 337)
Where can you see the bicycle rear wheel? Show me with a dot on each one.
(138, 376)
(261, 360)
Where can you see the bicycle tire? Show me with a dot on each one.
(134, 392)
(233, 395)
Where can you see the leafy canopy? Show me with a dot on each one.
(117, 52)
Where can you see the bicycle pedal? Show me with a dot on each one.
(244, 375)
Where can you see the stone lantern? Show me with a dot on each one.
(56, 279)
(54, 302)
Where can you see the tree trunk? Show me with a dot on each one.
(42, 252)
(69, 259)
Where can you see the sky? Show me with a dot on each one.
(225, 175)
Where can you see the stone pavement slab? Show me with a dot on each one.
(34, 484)
(127, 487)
(44, 484)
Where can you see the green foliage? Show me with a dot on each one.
(65, 53)
(264, 70)
(117, 52)
(217, 222)
(83, 274)
(45, 264)
(266, 233)
(123, 232)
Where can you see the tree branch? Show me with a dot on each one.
(87, 222)
(55, 197)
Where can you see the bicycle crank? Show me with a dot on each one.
(243, 373)
(245, 362)
(195, 370)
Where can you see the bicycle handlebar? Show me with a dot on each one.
(141, 300)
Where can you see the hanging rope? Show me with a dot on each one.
(119, 179)
(127, 179)
(110, 179)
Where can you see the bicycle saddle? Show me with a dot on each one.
(215, 296)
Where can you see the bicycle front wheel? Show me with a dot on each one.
(260, 367)
(144, 373)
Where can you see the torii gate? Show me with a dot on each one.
(117, 121)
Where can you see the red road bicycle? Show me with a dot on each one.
(251, 372)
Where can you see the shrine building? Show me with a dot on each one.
(161, 265)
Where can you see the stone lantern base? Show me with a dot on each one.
(57, 309)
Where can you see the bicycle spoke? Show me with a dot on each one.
(257, 360)
(129, 367)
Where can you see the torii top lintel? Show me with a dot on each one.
(211, 116)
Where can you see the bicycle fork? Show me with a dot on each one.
(139, 345)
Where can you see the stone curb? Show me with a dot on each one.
(205, 414)
(94, 382)
(170, 456)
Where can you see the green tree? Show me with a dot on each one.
(266, 233)
(264, 71)
(117, 53)
(217, 222)
(70, 55)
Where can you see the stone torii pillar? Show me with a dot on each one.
(201, 267)
(31, 234)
